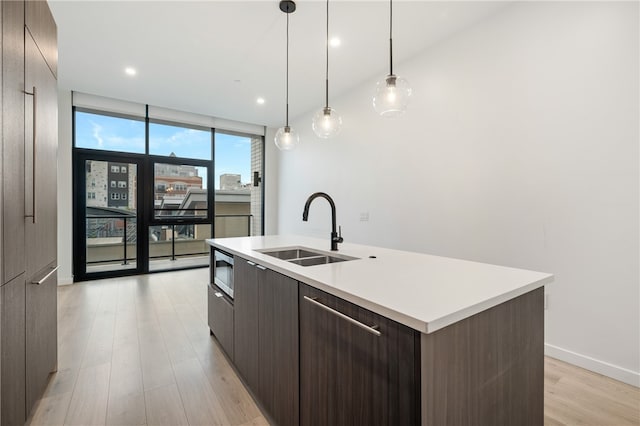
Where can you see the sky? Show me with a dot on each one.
(232, 154)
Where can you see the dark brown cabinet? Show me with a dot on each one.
(13, 352)
(13, 137)
(245, 327)
(220, 318)
(39, 21)
(278, 346)
(266, 338)
(356, 367)
(28, 225)
(41, 136)
(41, 335)
(41, 143)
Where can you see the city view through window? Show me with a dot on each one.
(174, 219)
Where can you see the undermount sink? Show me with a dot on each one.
(305, 257)
(317, 260)
(288, 254)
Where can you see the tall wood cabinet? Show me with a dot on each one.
(13, 383)
(28, 229)
(13, 140)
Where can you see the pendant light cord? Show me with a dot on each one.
(327, 67)
(287, 85)
(390, 37)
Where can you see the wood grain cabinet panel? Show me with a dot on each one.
(351, 376)
(266, 338)
(40, 23)
(220, 314)
(245, 326)
(41, 333)
(40, 166)
(488, 369)
(29, 205)
(13, 352)
(278, 346)
(13, 139)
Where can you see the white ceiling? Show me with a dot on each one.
(217, 57)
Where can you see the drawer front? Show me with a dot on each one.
(221, 318)
(356, 367)
(41, 332)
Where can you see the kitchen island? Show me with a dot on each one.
(387, 337)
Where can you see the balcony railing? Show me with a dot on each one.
(113, 239)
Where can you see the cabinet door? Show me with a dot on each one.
(13, 139)
(39, 20)
(348, 374)
(13, 352)
(41, 334)
(245, 326)
(278, 338)
(40, 161)
(221, 318)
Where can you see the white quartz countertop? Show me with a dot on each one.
(422, 291)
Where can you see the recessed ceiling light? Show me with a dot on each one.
(130, 71)
(260, 101)
(335, 42)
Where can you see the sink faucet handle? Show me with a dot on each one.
(340, 234)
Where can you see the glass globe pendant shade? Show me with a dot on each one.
(326, 123)
(286, 138)
(392, 96)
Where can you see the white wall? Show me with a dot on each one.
(65, 203)
(519, 148)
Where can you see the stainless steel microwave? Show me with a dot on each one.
(223, 271)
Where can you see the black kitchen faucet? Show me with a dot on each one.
(335, 236)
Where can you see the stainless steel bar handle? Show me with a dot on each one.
(46, 277)
(371, 329)
(251, 263)
(261, 267)
(34, 93)
(218, 294)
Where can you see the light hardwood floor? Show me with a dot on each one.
(137, 351)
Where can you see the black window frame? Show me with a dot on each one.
(151, 218)
(146, 190)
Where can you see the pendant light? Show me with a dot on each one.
(326, 122)
(392, 93)
(287, 138)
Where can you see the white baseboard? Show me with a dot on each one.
(615, 372)
(65, 280)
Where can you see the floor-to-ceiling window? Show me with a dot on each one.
(148, 191)
(238, 188)
(179, 168)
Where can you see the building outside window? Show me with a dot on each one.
(173, 213)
